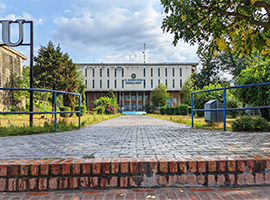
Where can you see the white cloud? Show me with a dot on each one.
(26, 16)
(2, 5)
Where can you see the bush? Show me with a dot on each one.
(64, 108)
(189, 110)
(12, 109)
(169, 110)
(109, 105)
(83, 110)
(162, 110)
(183, 109)
(100, 110)
(247, 123)
(149, 109)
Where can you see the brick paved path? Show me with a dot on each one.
(157, 194)
(134, 136)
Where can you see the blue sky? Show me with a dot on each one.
(94, 31)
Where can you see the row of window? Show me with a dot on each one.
(144, 72)
(144, 83)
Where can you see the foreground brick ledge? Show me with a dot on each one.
(203, 171)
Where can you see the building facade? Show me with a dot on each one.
(132, 83)
(10, 63)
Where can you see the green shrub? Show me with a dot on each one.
(169, 110)
(12, 109)
(162, 110)
(189, 110)
(100, 110)
(183, 109)
(83, 110)
(149, 108)
(177, 111)
(247, 123)
(156, 112)
(64, 108)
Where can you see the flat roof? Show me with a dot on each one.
(137, 64)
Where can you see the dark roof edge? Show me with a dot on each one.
(129, 64)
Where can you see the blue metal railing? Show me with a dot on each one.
(224, 96)
(55, 112)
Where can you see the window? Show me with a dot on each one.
(100, 84)
(122, 83)
(122, 72)
(158, 81)
(108, 84)
(85, 73)
(93, 84)
(166, 83)
(180, 72)
(173, 83)
(144, 84)
(115, 72)
(173, 72)
(165, 72)
(151, 72)
(151, 83)
(158, 72)
(143, 72)
(115, 83)
(100, 72)
(93, 72)
(85, 82)
(180, 82)
(108, 72)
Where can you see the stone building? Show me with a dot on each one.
(10, 63)
(132, 83)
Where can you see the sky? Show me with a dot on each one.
(95, 31)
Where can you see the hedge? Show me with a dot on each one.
(64, 108)
(83, 110)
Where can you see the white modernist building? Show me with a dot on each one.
(132, 83)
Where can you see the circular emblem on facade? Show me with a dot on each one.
(133, 75)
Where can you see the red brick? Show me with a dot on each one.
(153, 165)
(123, 181)
(22, 184)
(221, 164)
(115, 165)
(106, 165)
(211, 180)
(12, 184)
(149, 181)
(246, 195)
(259, 178)
(192, 165)
(240, 179)
(259, 164)
(84, 182)
(267, 178)
(42, 184)
(76, 166)
(172, 180)
(113, 182)
(192, 179)
(96, 166)
(35, 167)
(119, 191)
(63, 183)
(182, 179)
(212, 166)
(201, 164)
(133, 181)
(3, 169)
(55, 166)
(133, 165)
(2, 184)
(267, 162)
(240, 163)
(231, 165)
(24, 168)
(163, 165)
(37, 194)
(104, 182)
(163, 180)
(249, 179)
(173, 165)
(221, 179)
(201, 179)
(124, 165)
(73, 183)
(231, 178)
(182, 164)
(250, 163)
(53, 183)
(44, 167)
(94, 182)
(32, 184)
(86, 166)
(66, 166)
(142, 162)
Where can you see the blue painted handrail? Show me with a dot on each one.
(224, 107)
(55, 112)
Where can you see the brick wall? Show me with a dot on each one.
(52, 174)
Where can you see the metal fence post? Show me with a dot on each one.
(224, 110)
(55, 112)
(192, 110)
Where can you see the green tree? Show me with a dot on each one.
(57, 71)
(258, 71)
(111, 94)
(160, 95)
(237, 26)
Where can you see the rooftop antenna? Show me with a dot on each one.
(144, 53)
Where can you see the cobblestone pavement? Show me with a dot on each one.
(134, 136)
(157, 194)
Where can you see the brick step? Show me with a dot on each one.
(57, 174)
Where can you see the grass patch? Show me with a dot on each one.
(13, 125)
(198, 121)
